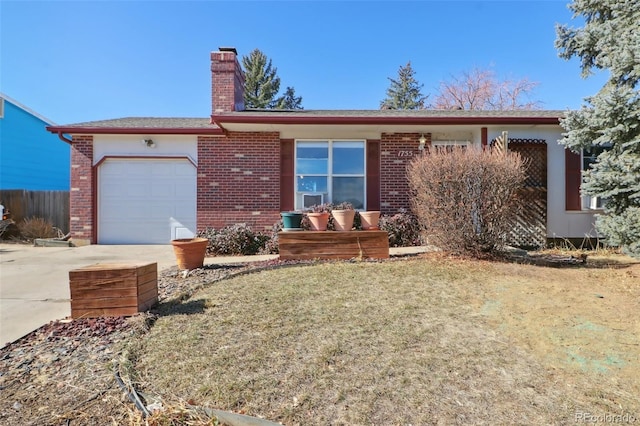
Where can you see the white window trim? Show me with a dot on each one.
(328, 196)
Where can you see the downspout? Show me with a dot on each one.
(63, 138)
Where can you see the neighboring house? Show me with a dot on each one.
(149, 180)
(30, 157)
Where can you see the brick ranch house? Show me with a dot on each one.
(150, 180)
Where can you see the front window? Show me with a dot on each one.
(589, 156)
(330, 171)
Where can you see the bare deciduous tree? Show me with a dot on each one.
(479, 89)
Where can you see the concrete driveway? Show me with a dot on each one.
(34, 281)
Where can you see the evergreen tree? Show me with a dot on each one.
(261, 81)
(609, 40)
(290, 100)
(405, 92)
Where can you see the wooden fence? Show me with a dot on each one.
(50, 205)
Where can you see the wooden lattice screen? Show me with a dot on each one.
(530, 229)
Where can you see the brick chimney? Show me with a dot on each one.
(227, 81)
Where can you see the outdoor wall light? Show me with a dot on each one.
(422, 141)
(149, 143)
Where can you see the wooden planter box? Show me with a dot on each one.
(307, 245)
(113, 289)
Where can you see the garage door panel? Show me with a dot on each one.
(181, 212)
(162, 191)
(110, 210)
(135, 189)
(161, 169)
(144, 201)
(140, 170)
(182, 191)
(183, 169)
(116, 170)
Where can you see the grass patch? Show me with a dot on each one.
(427, 340)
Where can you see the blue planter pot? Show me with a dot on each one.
(291, 220)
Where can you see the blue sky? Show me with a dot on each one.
(91, 60)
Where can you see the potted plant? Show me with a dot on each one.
(369, 220)
(190, 252)
(291, 221)
(318, 217)
(343, 215)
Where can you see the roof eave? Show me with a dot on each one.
(135, 130)
(220, 120)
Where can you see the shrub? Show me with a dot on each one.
(403, 228)
(238, 239)
(37, 227)
(271, 244)
(466, 199)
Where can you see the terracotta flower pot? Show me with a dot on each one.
(190, 252)
(343, 219)
(369, 220)
(318, 220)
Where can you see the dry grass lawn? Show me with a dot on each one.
(428, 340)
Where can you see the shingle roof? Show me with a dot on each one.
(176, 125)
(141, 125)
(148, 122)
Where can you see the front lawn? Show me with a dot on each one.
(420, 341)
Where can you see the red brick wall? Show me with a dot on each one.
(82, 185)
(239, 180)
(396, 150)
(227, 83)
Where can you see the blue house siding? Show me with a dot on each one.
(31, 158)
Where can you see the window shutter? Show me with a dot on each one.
(373, 175)
(572, 180)
(287, 178)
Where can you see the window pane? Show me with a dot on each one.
(312, 150)
(348, 158)
(312, 158)
(312, 166)
(350, 189)
(311, 184)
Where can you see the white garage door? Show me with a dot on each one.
(144, 201)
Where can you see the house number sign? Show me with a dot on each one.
(405, 153)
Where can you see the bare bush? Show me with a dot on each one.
(466, 199)
(37, 227)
